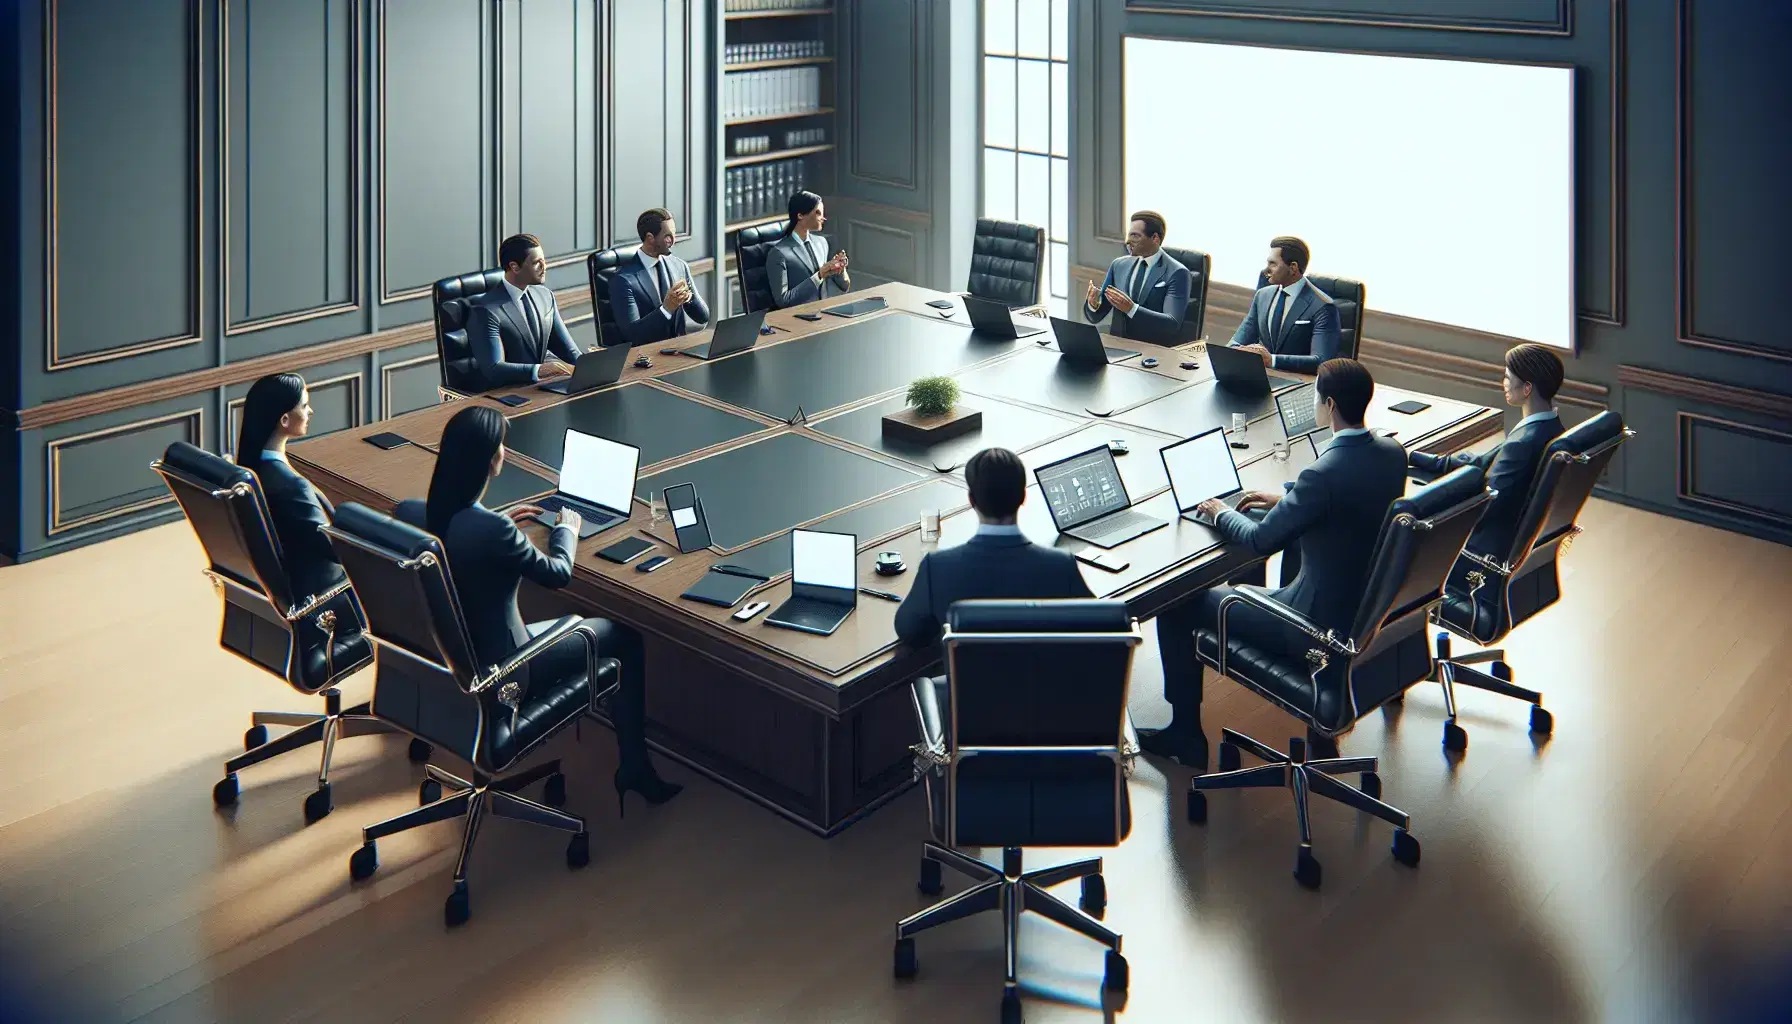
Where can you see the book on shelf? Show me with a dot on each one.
(763, 6)
(771, 93)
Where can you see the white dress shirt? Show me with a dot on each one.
(1293, 292)
(998, 530)
(1547, 414)
(1126, 285)
(517, 298)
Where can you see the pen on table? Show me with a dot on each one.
(886, 595)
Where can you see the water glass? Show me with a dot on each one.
(656, 507)
(930, 526)
(1241, 425)
(1280, 450)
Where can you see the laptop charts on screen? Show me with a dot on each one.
(597, 480)
(1088, 500)
(824, 582)
(1298, 408)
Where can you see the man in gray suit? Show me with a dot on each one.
(1333, 510)
(512, 330)
(1147, 289)
(1292, 324)
(796, 266)
(652, 296)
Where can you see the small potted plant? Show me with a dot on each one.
(931, 414)
(933, 396)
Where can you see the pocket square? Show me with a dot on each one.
(1297, 323)
(1161, 284)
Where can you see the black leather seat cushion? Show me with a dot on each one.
(545, 708)
(1276, 676)
(1006, 260)
(1527, 595)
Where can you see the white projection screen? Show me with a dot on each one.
(1445, 186)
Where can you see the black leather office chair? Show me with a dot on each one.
(1488, 597)
(311, 641)
(1336, 680)
(451, 297)
(750, 246)
(1351, 297)
(1007, 261)
(600, 267)
(1200, 270)
(1022, 745)
(429, 684)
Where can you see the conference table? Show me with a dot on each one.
(789, 434)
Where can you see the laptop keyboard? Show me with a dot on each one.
(1129, 520)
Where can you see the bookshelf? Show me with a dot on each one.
(776, 97)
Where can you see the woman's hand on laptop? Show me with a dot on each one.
(569, 518)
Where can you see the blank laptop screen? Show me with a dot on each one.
(1200, 468)
(598, 470)
(823, 559)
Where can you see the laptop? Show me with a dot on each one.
(593, 370)
(597, 480)
(1298, 409)
(992, 319)
(1081, 342)
(1088, 500)
(824, 582)
(1200, 468)
(735, 334)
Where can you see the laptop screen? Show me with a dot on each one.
(1200, 467)
(1296, 407)
(598, 470)
(1082, 487)
(824, 560)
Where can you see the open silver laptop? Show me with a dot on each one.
(1088, 500)
(597, 480)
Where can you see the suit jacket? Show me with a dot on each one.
(299, 514)
(1335, 511)
(498, 333)
(636, 302)
(1309, 334)
(986, 566)
(1157, 314)
(789, 265)
(1511, 467)
(488, 558)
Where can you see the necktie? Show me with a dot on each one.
(534, 320)
(665, 289)
(1275, 317)
(1138, 281)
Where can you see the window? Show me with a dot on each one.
(1026, 126)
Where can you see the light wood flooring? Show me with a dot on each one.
(1638, 867)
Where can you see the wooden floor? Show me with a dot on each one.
(1635, 868)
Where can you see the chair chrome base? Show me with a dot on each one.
(335, 723)
(1306, 778)
(474, 800)
(1012, 891)
(1460, 671)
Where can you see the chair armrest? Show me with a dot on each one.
(311, 604)
(930, 718)
(1259, 598)
(562, 628)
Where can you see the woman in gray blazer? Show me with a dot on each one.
(797, 267)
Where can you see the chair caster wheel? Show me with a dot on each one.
(1542, 722)
(255, 736)
(930, 883)
(1372, 785)
(1095, 894)
(428, 792)
(1406, 848)
(1501, 671)
(1197, 807)
(1228, 758)
(318, 805)
(1455, 738)
(554, 793)
(578, 850)
(1306, 869)
(224, 794)
(1010, 1006)
(1116, 978)
(419, 752)
(364, 862)
(905, 965)
(458, 907)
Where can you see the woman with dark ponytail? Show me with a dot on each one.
(798, 267)
(276, 410)
(489, 557)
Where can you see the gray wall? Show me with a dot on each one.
(1681, 207)
(209, 190)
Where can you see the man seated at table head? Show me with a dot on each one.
(1533, 376)
(515, 331)
(798, 267)
(1292, 324)
(652, 296)
(998, 562)
(1330, 518)
(1147, 289)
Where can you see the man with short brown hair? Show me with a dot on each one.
(1147, 290)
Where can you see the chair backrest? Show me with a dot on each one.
(1007, 261)
(750, 246)
(1038, 693)
(1351, 298)
(600, 267)
(452, 297)
(1200, 269)
(224, 504)
(1571, 468)
(401, 576)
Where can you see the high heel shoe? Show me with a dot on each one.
(646, 783)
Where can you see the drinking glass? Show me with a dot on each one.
(656, 507)
(930, 526)
(1280, 450)
(1241, 425)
